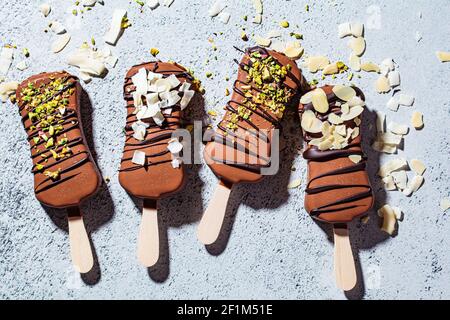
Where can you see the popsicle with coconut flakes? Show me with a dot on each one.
(151, 168)
(65, 173)
(338, 188)
(241, 147)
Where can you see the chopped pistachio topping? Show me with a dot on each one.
(284, 24)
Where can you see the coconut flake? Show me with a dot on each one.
(389, 183)
(139, 158)
(176, 163)
(153, 4)
(389, 219)
(6, 57)
(174, 146)
(45, 9)
(216, 8)
(444, 204)
(344, 30)
(406, 100)
(398, 129)
(60, 43)
(394, 78)
(113, 34)
(224, 17)
(392, 104)
(187, 96)
(22, 65)
(355, 158)
(87, 63)
(140, 82)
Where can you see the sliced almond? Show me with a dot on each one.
(370, 67)
(330, 69)
(358, 45)
(344, 93)
(400, 179)
(354, 62)
(345, 108)
(417, 120)
(389, 138)
(382, 85)
(310, 123)
(60, 43)
(326, 145)
(357, 29)
(306, 98)
(385, 148)
(334, 119)
(317, 63)
(392, 166)
(406, 100)
(392, 104)
(45, 9)
(353, 113)
(257, 4)
(294, 53)
(417, 166)
(320, 100)
(355, 158)
(443, 56)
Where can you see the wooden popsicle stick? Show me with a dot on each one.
(209, 228)
(80, 246)
(344, 264)
(148, 240)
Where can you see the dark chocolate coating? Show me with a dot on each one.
(338, 190)
(79, 176)
(248, 168)
(157, 179)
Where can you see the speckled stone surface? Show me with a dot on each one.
(274, 250)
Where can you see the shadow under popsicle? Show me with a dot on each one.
(186, 206)
(369, 235)
(272, 191)
(98, 209)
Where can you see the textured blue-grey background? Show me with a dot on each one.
(274, 250)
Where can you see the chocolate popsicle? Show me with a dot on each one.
(338, 188)
(267, 82)
(156, 94)
(64, 172)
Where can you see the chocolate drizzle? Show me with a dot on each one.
(156, 135)
(66, 122)
(313, 154)
(245, 101)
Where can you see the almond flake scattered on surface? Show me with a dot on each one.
(417, 120)
(45, 9)
(263, 42)
(113, 34)
(294, 52)
(389, 219)
(444, 204)
(344, 30)
(443, 56)
(417, 166)
(370, 67)
(358, 45)
(394, 78)
(57, 27)
(392, 166)
(331, 69)
(317, 63)
(294, 184)
(224, 17)
(382, 85)
(257, 4)
(153, 4)
(413, 185)
(257, 19)
(60, 43)
(406, 100)
(357, 29)
(393, 104)
(389, 183)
